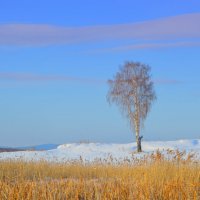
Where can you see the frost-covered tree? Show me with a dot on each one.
(133, 91)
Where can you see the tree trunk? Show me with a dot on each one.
(139, 146)
(137, 130)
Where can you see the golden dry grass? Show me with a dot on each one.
(153, 177)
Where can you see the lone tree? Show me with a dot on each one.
(133, 90)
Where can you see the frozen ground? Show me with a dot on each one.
(92, 151)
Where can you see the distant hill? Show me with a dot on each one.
(36, 148)
(40, 147)
(7, 149)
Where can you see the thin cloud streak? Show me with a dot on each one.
(149, 46)
(167, 82)
(29, 77)
(177, 27)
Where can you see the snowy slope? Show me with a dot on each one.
(92, 151)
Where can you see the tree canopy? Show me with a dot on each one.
(133, 91)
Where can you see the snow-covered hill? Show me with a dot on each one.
(92, 151)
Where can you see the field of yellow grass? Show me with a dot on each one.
(153, 177)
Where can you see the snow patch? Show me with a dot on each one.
(93, 151)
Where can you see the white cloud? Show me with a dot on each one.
(177, 27)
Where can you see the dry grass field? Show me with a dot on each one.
(153, 177)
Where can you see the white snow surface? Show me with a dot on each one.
(95, 151)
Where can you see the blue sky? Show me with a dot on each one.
(56, 56)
